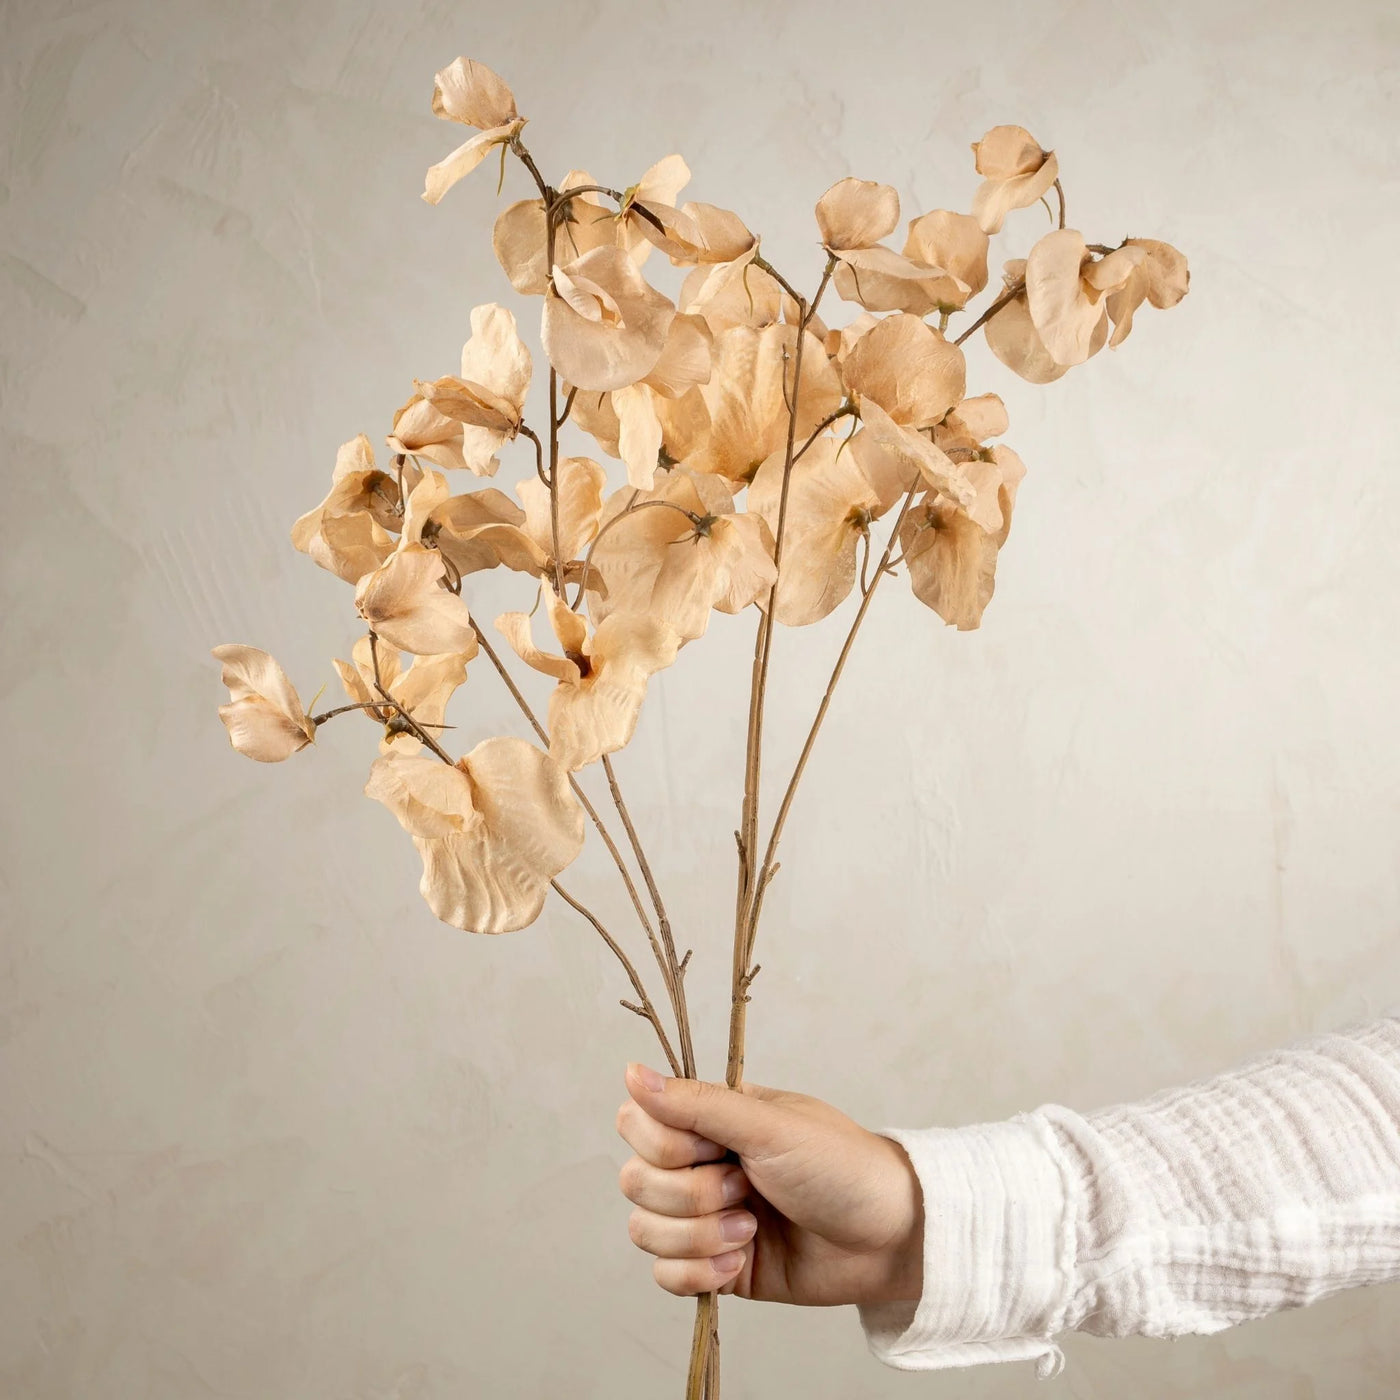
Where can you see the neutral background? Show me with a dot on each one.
(267, 1129)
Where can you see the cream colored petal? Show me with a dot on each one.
(879, 279)
(264, 717)
(685, 424)
(857, 213)
(996, 198)
(470, 92)
(442, 176)
(913, 449)
(723, 234)
(951, 562)
(496, 358)
(424, 691)
(653, 225)
(585, 225)
(429, 798)
(746, 400)
(1013, 471)
(520, 241)
(639, 433)
(732, 294)
(515, 628)
(493, 876)
(1066, 318)
(431, 492)
(830, 504)
(593, 412)
(454, 521)
(500, 544)
(599, 715)
(1014, 340)
(357, 455)
(954, 242)
(685, 357)
(405, 602)
(744, 571)
(349, 546)
(473, 404)
(911, 370)
(607, 353)
(570, 628)
(419, 429)
(1161, 278)
(890, 473)
(1007, 151)
(972, 423)
(581, 485)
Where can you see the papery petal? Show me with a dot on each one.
(746, 400)
(493, 876)
(954, 242)
(496, 358)
(1014, 340)
(1161, 278)
(357, 455)
(581, 484)
(1065, 317)
(515, 628)
(470, 92)
(404, 601)
(594, 413)
(606, 354)
(734, 293)
(951, 562)
(519, 239)
(1018, 173)
(879, 279)
(972, 423)
(685, 357)
(857, 213)
(454, 522)
(599, 714)
(264, 717)
(723, 234)
(429, 798)
(913, 449)
(420, 430)
(639, 433)
(461, 162)
(911, 370)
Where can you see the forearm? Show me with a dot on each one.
(1263, 1188)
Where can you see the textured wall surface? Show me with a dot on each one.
(270, 1132)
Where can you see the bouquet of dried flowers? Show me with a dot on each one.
(771, 462)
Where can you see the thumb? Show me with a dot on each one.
(753, 1126)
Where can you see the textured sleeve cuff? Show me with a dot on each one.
(999, 1242)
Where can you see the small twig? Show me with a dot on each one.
(568, 404)
(646, 1010)
(1060, 190)
(761, 262)
(847, 410)
(415, 728)
(1010, 294)
(343, 709)
(539, 453)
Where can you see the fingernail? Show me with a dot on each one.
(734, 1188)
(727, 1263)
(737, 1225)
(649, 1078)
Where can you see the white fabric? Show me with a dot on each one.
(1266, 1187)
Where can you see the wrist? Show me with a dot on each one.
(901, 1276)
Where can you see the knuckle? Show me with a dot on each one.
(637, 1230)
(629, 1179)
(677, 1277)
(624, 1117)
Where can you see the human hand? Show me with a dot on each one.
(818, 1210)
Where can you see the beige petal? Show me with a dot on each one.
(519, 240)
(594, 413)
(726, 569)
(909, 369)
(1161, 278)
(953, 242)
(430, 798)
(652, 225)
(493, 876)
(639, 433)
(473, 404)
(879, 279)
(723, 234)
(685, 424)
(453, 524)
(496, 358)
(405, 602)
(515, 628)
(685, 357)
(599, 714)
(745, 397)
(913, 449)
(442, 176)
(581, 485)
(972, 423)
(431, 492)
(622, 345)
(1018, 173)
(830, 505)
(951, 562)
(264, 717)
(1067, 319)
(420, 430)
(857, 213)
(355, 456)
(470, 92)
(1014, 340)
(732, 293)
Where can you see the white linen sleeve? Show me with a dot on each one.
(1266, 1187)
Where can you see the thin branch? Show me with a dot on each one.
(342, 709)
(759, 261)
(631, 509)
(770, 867)
(646, 1010)
(1060, 190)
(675, 985)
(416, 729)
(539, 452)
(1010, 294)
(846, 410)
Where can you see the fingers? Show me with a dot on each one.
(687, 1277)
(694, 1237)
(660, 1145)
(752, 1123)
(689, 1191)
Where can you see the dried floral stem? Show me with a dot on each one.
(645, 1008)
(628, 883)
(770, 866)
(417, 729)
(554, 475)
(1010, 294)
(846, 410)
(1060, 190)
(343, 709)
(673, 970)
